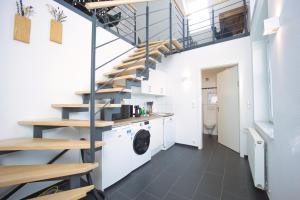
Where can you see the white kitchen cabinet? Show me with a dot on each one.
(157, 131)
(156, 85)
(169, 132)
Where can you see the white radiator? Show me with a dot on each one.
(256, 158)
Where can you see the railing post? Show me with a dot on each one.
(147, 35)
(134, 18)
(213, 25)
(171, 34)
(183, 32)
(92, 92)
(245, 17)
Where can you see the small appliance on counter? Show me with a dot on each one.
(137, 111)
(149, 108)
(126, 112)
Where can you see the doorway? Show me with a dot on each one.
(220, 106)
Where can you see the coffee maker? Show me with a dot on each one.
(149, 108)
(137, 111)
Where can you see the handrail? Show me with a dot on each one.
(105, 4)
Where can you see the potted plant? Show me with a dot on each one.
(56, 27)
(22, 25)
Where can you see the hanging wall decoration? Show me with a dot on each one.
(56, 27)
(22, 25)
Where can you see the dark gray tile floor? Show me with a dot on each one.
(186, 173)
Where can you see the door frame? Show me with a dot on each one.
(200, 100)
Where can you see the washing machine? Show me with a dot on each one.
(140, 149)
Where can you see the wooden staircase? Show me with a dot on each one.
(74, 194)
(18, 174)
(39, 144)
(117, 86)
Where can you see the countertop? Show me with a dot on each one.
(124, 122)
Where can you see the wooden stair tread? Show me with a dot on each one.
(151, 53)
(86, 105)
(152, 47)
(165, 42)
(106, 91)
(175, 43)
(66, 123)
(126, 77)
(18, 174)
(140, 62)
(160, 46)
(150, 43)
(74, 194)
(121, 72)
(31, 144)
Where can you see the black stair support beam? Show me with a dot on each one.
(116, 97)
(38, 130)
(143, 73)
(74, 182)
(133, 83)
(104, 85)
(128, 84)
(106, 114)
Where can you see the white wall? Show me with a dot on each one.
(283, 152)
(187, 96)
(34, 76)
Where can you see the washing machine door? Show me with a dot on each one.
(141, 142)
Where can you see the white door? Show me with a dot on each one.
(228, 108)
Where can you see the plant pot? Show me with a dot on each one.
(56, 30)
(22, 29)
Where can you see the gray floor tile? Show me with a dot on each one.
(229, 196)
(210, 185)
(187, 184)
(137, 184)
(200, 196)
(160, 186)
(185, 173)
(172, 196)
(146, 196)
(117, 196)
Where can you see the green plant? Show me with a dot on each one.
(57, 13)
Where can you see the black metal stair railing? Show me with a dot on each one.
(119, 20)
(216, 28)
(92, 96)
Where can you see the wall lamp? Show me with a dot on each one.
(271, 25)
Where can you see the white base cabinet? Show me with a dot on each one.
(157, 134)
